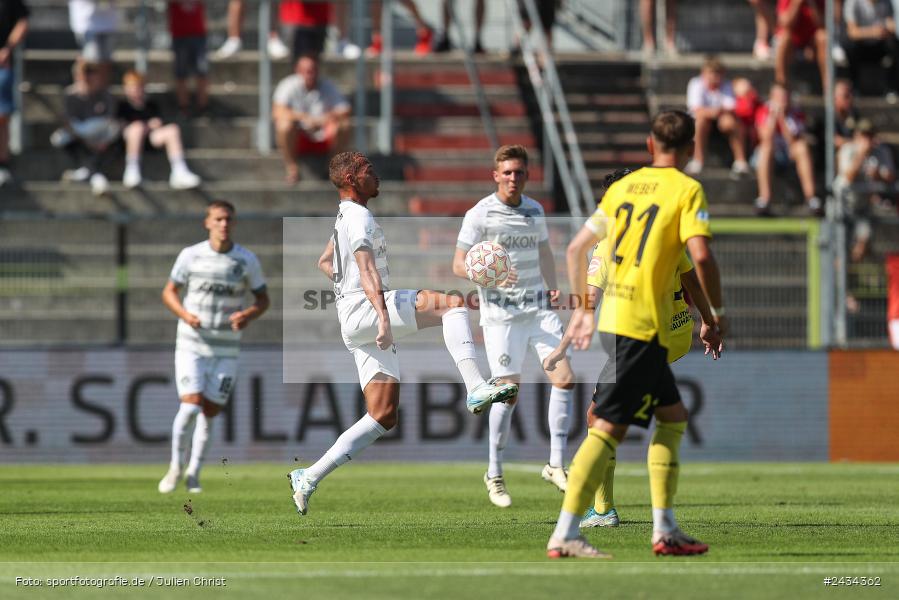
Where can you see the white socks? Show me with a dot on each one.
(178, 164)
(459, 342)
(500, 424)
(183, 420)
(663, 520)
(200, 441)
(567, 527)
(559, 417)
(351, 442)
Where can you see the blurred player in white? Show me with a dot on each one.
(217, 274)
(516, 315)
(372, 316)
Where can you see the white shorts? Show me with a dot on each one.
(359, 326)
(894, 333)
(208, 375)
(507, 343)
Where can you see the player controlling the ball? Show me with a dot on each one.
(516, 315)
(372, 316)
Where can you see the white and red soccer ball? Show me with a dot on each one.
(487, 264)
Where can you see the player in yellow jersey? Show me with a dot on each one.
(648, 216)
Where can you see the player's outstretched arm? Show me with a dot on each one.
(576, 256)
(550, 362)
(171, 297)
(326, 260)
(374, 291)
(242, 318)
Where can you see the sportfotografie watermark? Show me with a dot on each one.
(120, 581)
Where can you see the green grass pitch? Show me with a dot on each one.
(379, 530)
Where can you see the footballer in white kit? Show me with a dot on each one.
(372, 316)
(517, 315)
(216, 275)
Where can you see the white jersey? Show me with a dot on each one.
(216, 285)
(356, 228)
(520, 230)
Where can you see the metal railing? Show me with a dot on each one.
(551, 98)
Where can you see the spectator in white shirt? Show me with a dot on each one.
(711, 101)
(311, 115)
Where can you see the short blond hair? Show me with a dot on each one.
(511, 152)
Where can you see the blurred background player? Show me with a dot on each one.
(217, 274)
(142, 125)
(687, 286)
(311, 115)
(372, 316)
(651, 213)
(518, 314)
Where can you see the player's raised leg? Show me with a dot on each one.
(382, 395)
(664, 468)
(435, 308)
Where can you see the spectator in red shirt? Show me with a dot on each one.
(800, 25)
(187, 24)
(780, 130)
(893, 298)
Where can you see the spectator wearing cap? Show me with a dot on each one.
(311, 115)
(711, 101)
(13, 26)
(871, 34)
(143, 127)
(780, 128)
(866, 174)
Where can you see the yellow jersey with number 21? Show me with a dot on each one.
(648, 216)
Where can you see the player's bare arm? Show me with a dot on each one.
(706, 268)
(240, 319)
(326, 260)
(576, 256)
(549, 364)
(374, 291)
(459, 264)
(171, 297)
(548, 270)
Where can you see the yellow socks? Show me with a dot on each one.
(605, 499)
(588, 467)
(664, 462)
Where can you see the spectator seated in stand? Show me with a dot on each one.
(311, 115)
(187, 24)
(780, 129)
(871, 39)
(800, 27)
(711, 101)
(746, 106)
(866, 174)
(91, 133)
(143, 127)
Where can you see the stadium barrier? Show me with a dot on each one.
(116, 405)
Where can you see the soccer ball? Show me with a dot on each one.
(487, 264)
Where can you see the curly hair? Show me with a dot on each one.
(346, 163)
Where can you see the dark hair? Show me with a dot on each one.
(220, 204)
(343, 164)
(673, 130)
(611, 178)
(511, 152)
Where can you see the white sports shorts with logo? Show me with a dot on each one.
(359, 326)
(208, 375)
(507, 343)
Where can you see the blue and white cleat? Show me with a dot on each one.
(592, 518)
(489, 392)
(302, 489)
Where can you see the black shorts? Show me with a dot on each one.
(546, 9)
(642, 381)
